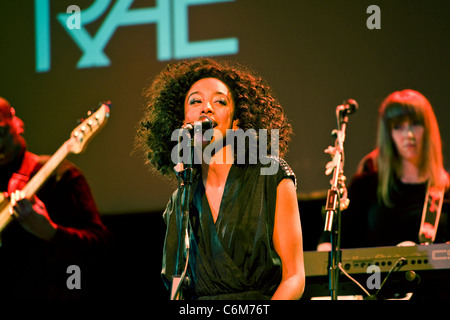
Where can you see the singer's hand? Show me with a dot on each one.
(32, 215)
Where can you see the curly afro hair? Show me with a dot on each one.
(255, 106)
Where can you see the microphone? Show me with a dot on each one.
(349, 106)
(204, 122)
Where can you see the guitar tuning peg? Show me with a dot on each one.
(108, 103)
(90, 112)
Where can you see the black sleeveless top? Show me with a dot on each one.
(233, 258)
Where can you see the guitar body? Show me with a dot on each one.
(5, 212)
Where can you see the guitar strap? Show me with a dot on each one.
(431, 214)
(20, 178)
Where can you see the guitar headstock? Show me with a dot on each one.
(83, 133)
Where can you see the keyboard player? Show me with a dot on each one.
(400, 192)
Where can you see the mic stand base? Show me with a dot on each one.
(176, 292)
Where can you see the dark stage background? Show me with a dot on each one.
(315, 54)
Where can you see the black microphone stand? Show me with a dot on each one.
(185, 179)
(336, 200)
(185, 173)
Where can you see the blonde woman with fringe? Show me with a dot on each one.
(389, 191)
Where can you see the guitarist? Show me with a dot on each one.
(58, 227)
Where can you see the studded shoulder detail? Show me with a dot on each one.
(285, 167)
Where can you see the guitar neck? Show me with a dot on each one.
(34, 184)
(47, 169)
(79, 137)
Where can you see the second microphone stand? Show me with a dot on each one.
(336, 200)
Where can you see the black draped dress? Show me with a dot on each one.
(233, 258)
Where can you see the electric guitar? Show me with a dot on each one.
(77, 143)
